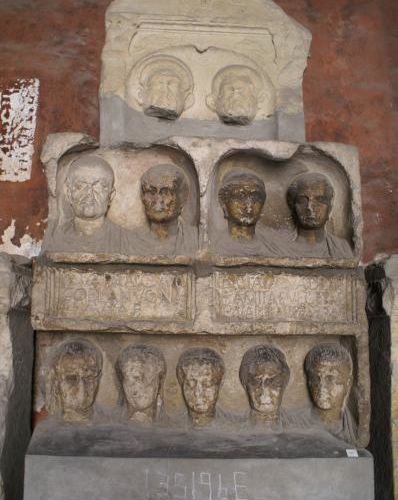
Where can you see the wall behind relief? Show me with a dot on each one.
(350, 94)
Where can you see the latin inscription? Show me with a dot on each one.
(283, 297)
(128, 295)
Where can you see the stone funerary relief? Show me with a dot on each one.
(207, 69)
(199, 292)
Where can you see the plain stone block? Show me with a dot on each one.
(123, 463)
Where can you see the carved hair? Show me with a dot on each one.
(307, 180)
(237, 71)
(234, 179)
(262, 354)
(202, 356)
(161, 64)
(91, 162)
(141, 353)
(332, 353)
(72, 348)
(167, 171)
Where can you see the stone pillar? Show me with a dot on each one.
(16, 348)
(390, 304)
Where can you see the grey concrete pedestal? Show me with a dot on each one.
(249, 472)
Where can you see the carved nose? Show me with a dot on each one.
(159, 205)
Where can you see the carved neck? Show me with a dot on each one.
(88, 226)
(331, 416)
(71, 415)
(312, 236)
(163, 230)
(239, 232)
(201, 419)
(142, 416)
(268, 419)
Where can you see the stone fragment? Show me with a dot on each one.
(225, 69)
(16, 347)
(390, 305)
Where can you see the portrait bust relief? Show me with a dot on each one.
(329, 371)
(141, 370)
(310, 198)
(73, 380)
(164, 193)
(264, 374)
(242, 196)
(87, 192)
(200, 371)
(237, 93)
(165, 86)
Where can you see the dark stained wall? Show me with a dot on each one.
(350, 93)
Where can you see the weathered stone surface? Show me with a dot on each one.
(199, 466)
(231, 302)
(265, 296)
(16, 347)
(167, 70)
(204, 383)
(91, 298)
(204, 165)
(390, 304)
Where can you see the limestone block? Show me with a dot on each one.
(201, 176)
(229, 302)
(170, 70)
(390, 305)
(93, 462)
(16, 347)
(228, 407)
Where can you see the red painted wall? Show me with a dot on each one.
(350, 92)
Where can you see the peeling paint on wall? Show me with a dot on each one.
(18, 110)
(28, 246)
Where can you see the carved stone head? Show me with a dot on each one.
(89, 187)
(200, 372)
(236, 94)
(242, 197)
(329, 375)
(141, 370)
(164, 190)
(264, 374)
(310, 198)
(166, 87)
(74, 380)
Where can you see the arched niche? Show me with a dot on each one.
(276, 220)
(126, 208)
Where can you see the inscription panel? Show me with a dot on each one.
(270, 297)
(129, 295)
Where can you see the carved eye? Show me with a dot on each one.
(301, 200)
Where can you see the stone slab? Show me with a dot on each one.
(203, 161)
(123, 463)
(206, 37)
(390, 305)
(16, 360)
(232, 301)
